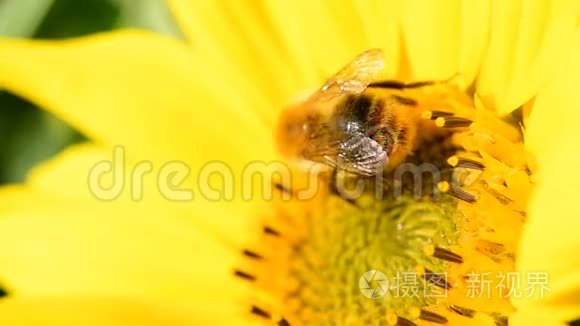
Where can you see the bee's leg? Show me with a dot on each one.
(404, 100)
(333, 185)
(395, 84)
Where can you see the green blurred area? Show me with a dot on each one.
(29, 135)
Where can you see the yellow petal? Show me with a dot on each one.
(161, 108)
(315, 44)
(70, 176)
(70, 243)
(550, 241)
(237, 35)
(51, 245)
(380, 19)
(144, 91)
(111, 311)
(444, 38)
(431, 31)
(66, 174)
(527, 39)
(474, 33)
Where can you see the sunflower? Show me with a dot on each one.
(134, 250)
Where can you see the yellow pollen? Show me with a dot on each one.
(391, 318)
(427, 115)
(443, 186)
(453, 160)
(429, 250)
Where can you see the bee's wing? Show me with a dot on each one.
(356, 154)
(355, 76)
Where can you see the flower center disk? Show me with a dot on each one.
(451, 209)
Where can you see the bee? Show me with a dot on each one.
(354, 122)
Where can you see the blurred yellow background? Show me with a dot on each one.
(27, 134)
